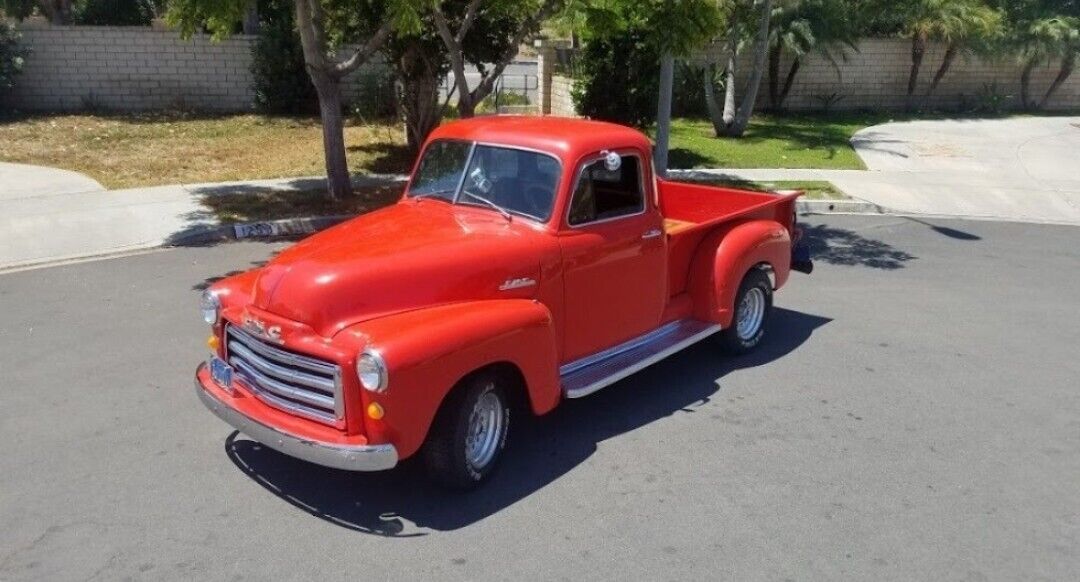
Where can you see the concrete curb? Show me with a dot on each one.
(256, 230)
(311, 224)
(839, 207)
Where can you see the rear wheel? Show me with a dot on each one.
(753, 305)
(469, 433)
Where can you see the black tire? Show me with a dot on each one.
(755, 282)
(447, 451)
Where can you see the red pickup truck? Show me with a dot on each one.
(530, 260)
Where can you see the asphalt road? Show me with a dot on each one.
(915, 415)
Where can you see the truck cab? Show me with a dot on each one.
(529, 260)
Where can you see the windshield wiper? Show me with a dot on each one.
(500, 209)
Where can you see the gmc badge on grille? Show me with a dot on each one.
(260, 329)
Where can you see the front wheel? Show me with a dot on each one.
(753, 305)
(469, 433)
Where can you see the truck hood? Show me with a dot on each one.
(410, 255)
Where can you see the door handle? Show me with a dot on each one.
(651, 234)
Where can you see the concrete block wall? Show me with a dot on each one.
(73, 68)
(874, 77)
(562, 104)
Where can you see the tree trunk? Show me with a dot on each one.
(663, 113)
(737, 127)
(774, 77)
(57, 11)
(918, 51)
(338, 182)
(796, 63)
(946, 62)
(326, 76)
(716, 114)
(1025, 83)
(727, 114)
(418, 98)
(1067, 66)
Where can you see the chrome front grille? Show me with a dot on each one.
(303, 385)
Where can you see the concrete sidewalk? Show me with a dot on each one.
(1020, 169)
(43, 228)
(22, 180)
(1023, 169)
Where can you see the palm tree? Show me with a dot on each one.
(1043, 40)
(732, 119)
(961, 24)
(804, 26)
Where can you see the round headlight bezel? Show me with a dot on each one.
(210, 306)
(371, 371)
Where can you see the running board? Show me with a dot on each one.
(589, 374)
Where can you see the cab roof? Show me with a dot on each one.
(568, 138)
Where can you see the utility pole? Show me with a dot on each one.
(663, 113)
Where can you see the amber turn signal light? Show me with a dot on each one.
(213, 342)
(375, 411)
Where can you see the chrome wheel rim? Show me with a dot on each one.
(751, 313)
(486, 423)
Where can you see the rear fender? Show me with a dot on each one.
(428, 351)
(724, 258)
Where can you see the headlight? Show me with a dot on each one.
(210, 306)
(371, 370)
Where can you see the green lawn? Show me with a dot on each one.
(772, 141)
(812, 189)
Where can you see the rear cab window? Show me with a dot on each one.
(604, 192)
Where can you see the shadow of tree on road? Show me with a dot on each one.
(838, 246)
(403, 503)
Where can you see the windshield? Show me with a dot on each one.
(516, 181)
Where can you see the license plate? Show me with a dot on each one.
(221, 373)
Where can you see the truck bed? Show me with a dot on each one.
(692, 211)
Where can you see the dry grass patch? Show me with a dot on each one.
(143, 150)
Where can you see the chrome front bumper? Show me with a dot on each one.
(349, 458)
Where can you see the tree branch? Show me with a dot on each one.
(457, 55)
(314, 57)
(467, 21)
(362, 54)
(487, 82)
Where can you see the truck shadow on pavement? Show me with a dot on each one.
(403, 503)
(839, 246)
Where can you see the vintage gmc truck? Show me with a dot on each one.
(530, 260)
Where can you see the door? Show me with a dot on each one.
(614, 256)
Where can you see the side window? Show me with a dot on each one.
(602, 194)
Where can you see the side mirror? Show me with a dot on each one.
(612, 161)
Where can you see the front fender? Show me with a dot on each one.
(724, 258)
(428, 351)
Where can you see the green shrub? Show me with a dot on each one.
(11, 55)
(618, 79)
(506, 99)
(688, 92)
(113, 12)
(281, 81)
(375, 94)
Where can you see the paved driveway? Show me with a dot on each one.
(1023, 168)
(914, 416)
(24, 181)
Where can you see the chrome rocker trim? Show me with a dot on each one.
(348, 458)
(591, 373)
